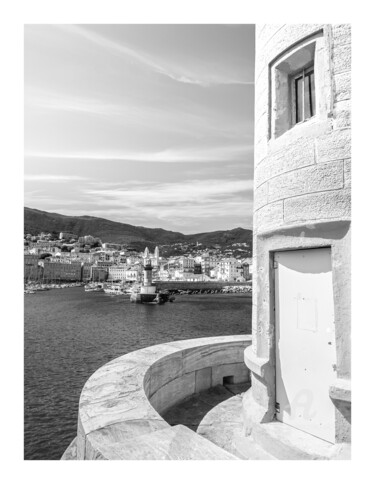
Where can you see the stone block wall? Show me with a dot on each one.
(313, 157)
(302, 189)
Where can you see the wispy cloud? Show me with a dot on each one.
(53, 178)
(109, 107)
(175, 72)
(184, 205)
(189, 191)
(191, 120)
(193, 155)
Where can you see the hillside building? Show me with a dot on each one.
(99, 274)
(32, 270)
(117, 272)
(67, 235)
(229, 269)
(56, 271)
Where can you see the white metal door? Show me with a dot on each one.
(305, 341)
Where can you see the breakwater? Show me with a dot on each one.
(210, 287)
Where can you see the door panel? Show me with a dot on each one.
(305, 341)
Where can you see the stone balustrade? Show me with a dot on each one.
(122, 403)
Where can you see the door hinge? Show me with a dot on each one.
(277, 407)
(275, 264)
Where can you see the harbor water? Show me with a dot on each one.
(70, 333)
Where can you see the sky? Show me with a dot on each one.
(150, 125)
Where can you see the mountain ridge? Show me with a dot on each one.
(36, 221)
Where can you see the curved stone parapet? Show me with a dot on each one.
(122, 403)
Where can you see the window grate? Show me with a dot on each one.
(303, 85)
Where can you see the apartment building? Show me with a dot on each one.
(55, 270)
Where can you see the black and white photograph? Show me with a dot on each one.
(187, 242)
(185, 289)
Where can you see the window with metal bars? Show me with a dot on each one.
(303, 95)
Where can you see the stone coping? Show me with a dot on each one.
(341, 390)
(124, 399)
(255, 364)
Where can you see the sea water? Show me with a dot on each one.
(70, 333)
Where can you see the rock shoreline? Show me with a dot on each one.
(223, 290)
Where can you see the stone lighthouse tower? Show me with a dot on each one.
(300, 353)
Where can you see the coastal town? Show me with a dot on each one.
(62, 259)
(262, 372)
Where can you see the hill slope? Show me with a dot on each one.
(36, 221)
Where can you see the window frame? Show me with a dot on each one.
(302, 73)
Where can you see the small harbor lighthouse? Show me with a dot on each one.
(148, 289)
(147, 292)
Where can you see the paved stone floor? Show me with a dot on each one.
(216, 415)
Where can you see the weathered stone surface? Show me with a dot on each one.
(147, 383)
(189, 412)
(347, 173)
(214, 414)
(211, 355)
(342, 115)
(341, 34)
(341, 390)
(265, 32)
(114, 406)
(316, 178)
(269, 216)
(246, 448)
(261, 108)
(165, 370)
(342, 452)
(173, 392)
(261, 196)
(308, 206)
(287, 443)
(341, 58)
(81, 440)
(71, 451)
(318, 206)
(98, 441)
(112, 410)
(227, 411)
(261, 125)
(239, 371)
(282, 37)
(215, 395)
(334, 146)
(260, 151)
(289, 157)
(174, 443)
(223, 423)
(238, 388)
(203, 379)
(343, 91)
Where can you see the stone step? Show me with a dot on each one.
(287, 443)
(246, 448)
(173, 443)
